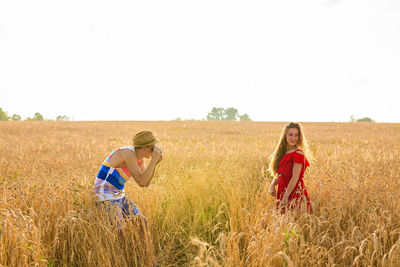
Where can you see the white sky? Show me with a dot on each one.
(276, 60)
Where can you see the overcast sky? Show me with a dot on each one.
(276, 60)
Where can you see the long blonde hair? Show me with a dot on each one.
(281, 148)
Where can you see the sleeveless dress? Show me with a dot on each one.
(299, 194)
(109, 187)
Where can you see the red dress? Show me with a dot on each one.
(285, 168)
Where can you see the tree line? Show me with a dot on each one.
(216, 114)
(226, 114)
(37, 117)
(365, 119)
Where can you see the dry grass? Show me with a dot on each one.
(207, 204)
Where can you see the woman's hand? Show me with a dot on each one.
(272, 190)
(157, 152)
(285, 200)
(160, 159)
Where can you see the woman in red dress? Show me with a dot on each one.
(288, 164)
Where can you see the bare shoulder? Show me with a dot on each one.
(122, 157)
(127, 153)
(299, 152)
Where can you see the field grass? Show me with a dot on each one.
(207, 204)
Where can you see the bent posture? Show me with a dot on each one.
(288, 164)
(120, 166)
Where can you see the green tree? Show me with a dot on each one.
(244, 117)
(215, 114)
(230, 114)
(38, 117)
(62, 118)
(365, 119)
(16, 117)
(3, 115)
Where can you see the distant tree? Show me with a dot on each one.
(16, 117)
(244, 117)
(230, 114)
(352, 118)
(62, 118)
(3, 115)
(38, 117)
(365, 119)
(215, 114)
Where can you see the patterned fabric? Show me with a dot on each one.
(110, 182)
(119, 210)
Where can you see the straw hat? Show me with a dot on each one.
(144, 138)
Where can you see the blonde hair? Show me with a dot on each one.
(281, 148)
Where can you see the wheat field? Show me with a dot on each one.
(207, 204)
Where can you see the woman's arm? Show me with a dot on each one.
(142, 179)
(293, 182)
(271, 189)
(142, 166)
(160, 159)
